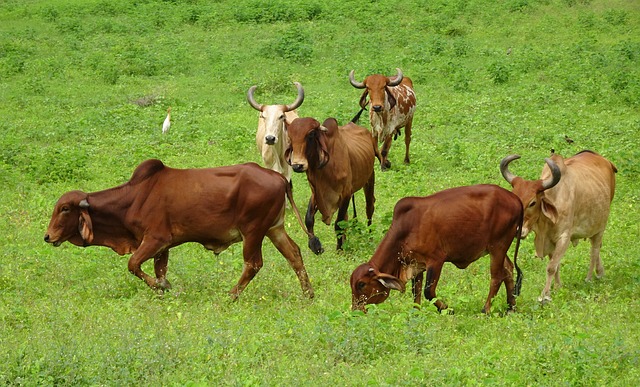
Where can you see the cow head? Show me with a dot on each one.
(532, 192)
(377, 88)
(274, 115)
(309, 143)
(369, 286)
(70, 220)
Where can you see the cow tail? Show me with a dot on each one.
(289, 191)
(519, 276)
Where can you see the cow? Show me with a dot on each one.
(271, 138)
(338, 162)
(457, 225)
(570, 201)
(393, 102)
(162, 207)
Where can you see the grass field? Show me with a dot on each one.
(84, 89)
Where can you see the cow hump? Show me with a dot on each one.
(145, 170)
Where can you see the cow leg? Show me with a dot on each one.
(290, 250)
(342, 217)
(552, 268)
(433, 275)
(384, 153)
(370, 198)
(252, 253)
(596, 261)
(148, 248)
(501, 271)
(309, 220)
(407, 140)
(160, 262)
(416, 288)
(509, 284)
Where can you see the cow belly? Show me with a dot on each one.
(220, 245)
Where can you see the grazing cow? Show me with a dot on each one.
(393, 102)
(338, 162)
(271, 138)
(570, 201)
(162, 207)
(457, 225)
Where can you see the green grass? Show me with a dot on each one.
(84, 88)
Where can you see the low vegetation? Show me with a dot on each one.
(85, 88)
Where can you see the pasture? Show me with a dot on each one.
(84, 90)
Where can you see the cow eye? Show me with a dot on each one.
(533, 203)
(360, 285)
(64, 209)
(282, 117)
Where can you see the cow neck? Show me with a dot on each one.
(389, 258)
(108, 210)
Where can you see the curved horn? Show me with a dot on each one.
(398, 79)
(504, 168)
(555, 175)
(354, 83)
(299, 98)
(84, 204)
(251, 100)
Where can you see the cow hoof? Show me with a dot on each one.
(163, 284)
(315, 245)
(544, 300)
(385, 165)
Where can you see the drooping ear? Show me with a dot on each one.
(287, 154)
(323, 150)
(549, 210)
(85, 226)
(392, 99)
(390, 282)
(363, 98)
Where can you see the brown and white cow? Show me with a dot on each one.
(271, 137)
(457, 225)
(393, 102)
(338, 162)
(570, 201)
(162, 207)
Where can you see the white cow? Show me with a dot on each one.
(271, 137)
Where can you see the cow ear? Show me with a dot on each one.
(85, 226)
(549, 210)
(363, 98)
(392, 100)
(323, 152)
(390, 282)
(287, 154)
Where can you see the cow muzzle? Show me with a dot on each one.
(377, 108)
(47, 239)
(299, 167)
(270, 140)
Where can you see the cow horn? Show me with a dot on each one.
(354, 83)
(398, 79)
(555, 175)
(504, 167)
(251, 100)
(323, 128)
(84, 204)
(299, 98)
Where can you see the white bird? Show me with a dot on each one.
(167, 122)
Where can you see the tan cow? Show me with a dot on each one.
(570, 201)
(271, 138)
(393, 102)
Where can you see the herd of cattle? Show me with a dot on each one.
(162, 207)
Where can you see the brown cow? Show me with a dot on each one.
(457, 225)
(570, 201)
(162, 207)
(393, 102)
(338, 162)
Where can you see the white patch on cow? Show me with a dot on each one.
(386, 122)
(271, 123)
